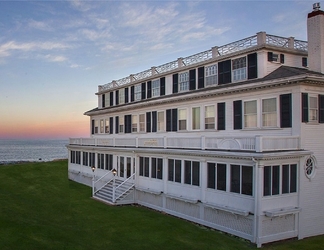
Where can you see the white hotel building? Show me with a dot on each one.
(231, 138)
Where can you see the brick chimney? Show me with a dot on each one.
(315, 37)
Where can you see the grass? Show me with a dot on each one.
(41, 209)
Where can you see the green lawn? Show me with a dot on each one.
(41, 209)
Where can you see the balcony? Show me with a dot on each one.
(252, 144)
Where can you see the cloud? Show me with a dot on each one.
(53, 58)
(39, 25)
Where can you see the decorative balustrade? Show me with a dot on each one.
(227, 49)
(252, 144)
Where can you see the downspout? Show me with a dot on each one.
(256, 206)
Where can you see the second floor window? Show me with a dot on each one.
(107, 126)
(121, 124)
(134, 123)
(196, 118)
(209, 117)
(142, 122)
(182, 119)
(161, 126)
(250, 114)
(184, 81)
(239, 69)
(269, 112)
(313, 109)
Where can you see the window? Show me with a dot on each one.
(121, 96)
(211, 75)
(210, 117)
(216, 176)
(184, 81)
(191, 172)
(156, 88)
(121, 124)
(182, 119)
(269, 112)
(313, 108)
(250, 114)
(96, 125)
(101, 126)
(279, 179)
(174, 170)
(304, 62)
(142, 122)
(107, 126)
(101, 161)
(160, 121)
(85, 159)
(121, 166)
(108, 162)
(171, 120)
(72, 160)
(196, 118)
(134, 123)
(92, 160)
(107, 100)
(138, 92)
(239, 69)
(156, 168)
(241, 179)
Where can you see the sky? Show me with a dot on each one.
(54, 54)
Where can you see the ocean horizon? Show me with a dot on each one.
(32, 150)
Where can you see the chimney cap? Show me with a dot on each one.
(316, 6)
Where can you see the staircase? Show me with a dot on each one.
(122, 190)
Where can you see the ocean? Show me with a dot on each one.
(12, 151)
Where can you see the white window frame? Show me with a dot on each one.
(156, 86)
(312, 109)
(183, 81)
(211, 75)
(239, 69)
(269, 113)
(138, 92)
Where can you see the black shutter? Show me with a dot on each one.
(111, 99)
(174, 119)
(143, 91)
(282, 58)
(103, 100)
(92, 126)
(224, 72)
(154, 121)
(221, 116)
(148, 121)
(192, 79)
(252, 66)
(111, 125)
(149, 89)
(162, 86)
(237, 105)
(285, 111)
(270, 56)
(175, 83)
(304, 107)
(116, 124)
(126, 95)
(201, 77)
(128, 123)
(321, 108)
(117, 97)
(168, 120)
(132, 93)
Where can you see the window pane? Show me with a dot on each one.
(153, 168)
(269, 112)
(187, 172)
(195, 173)
(209, 117)
(161, 121)
(159, 168)
(182, 114)
(221, 177)
(196, 118)
(293, 178)
(171, 170)
(177, 171)
(247, 175)
(275, 180)
(250, 114)
(147, 167)
(211, 175)
(134, 123)
(285, 179)
(235, 178)
(267, 181)
(121, 167)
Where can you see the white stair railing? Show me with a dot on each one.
(94, 183)
(115, 197)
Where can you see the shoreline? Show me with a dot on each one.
(4, 163)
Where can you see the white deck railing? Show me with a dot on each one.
(252, 143)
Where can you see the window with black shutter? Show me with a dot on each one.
(117, 97)
(224, 72)
(149, 89)
(174, 119)
(132, 93)
(285, 111)
(111, 99)
(128, 123)
(171, 120)
(221, 116)
(237, 105)
(252, 66)
(143, 90)
(154, 121)
(148, 121)
(162, 86)
(192, 79)
(111, 125)
(126, 95)
(304, 107)
(175, 83)
(103, 101)
(321, 108)
(201, 77)
(92, 126)
(116, 124)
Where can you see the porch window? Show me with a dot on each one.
(174, 170)
(216, 176)
(241, 179)
(184, 81)
(210, 117)
(271, 180)
(101, 161)
(182, 119)
(144, 166)
(108, 162)
(92, 159)
(250, 114)
(138, 92)
(156, 168)
(211, 75)
(289, 178)
(121, 166)
(196, 118)
(85, 158)
(269, 112)
(192, 172)
(156, 88)
(239, 70)
(134, 123)
(72, 160)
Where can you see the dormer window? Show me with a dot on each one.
(184, 81)
(138, 92)
(273, 57)
(239, 72)
(121, 96)
(156, 88)
(211, 75)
